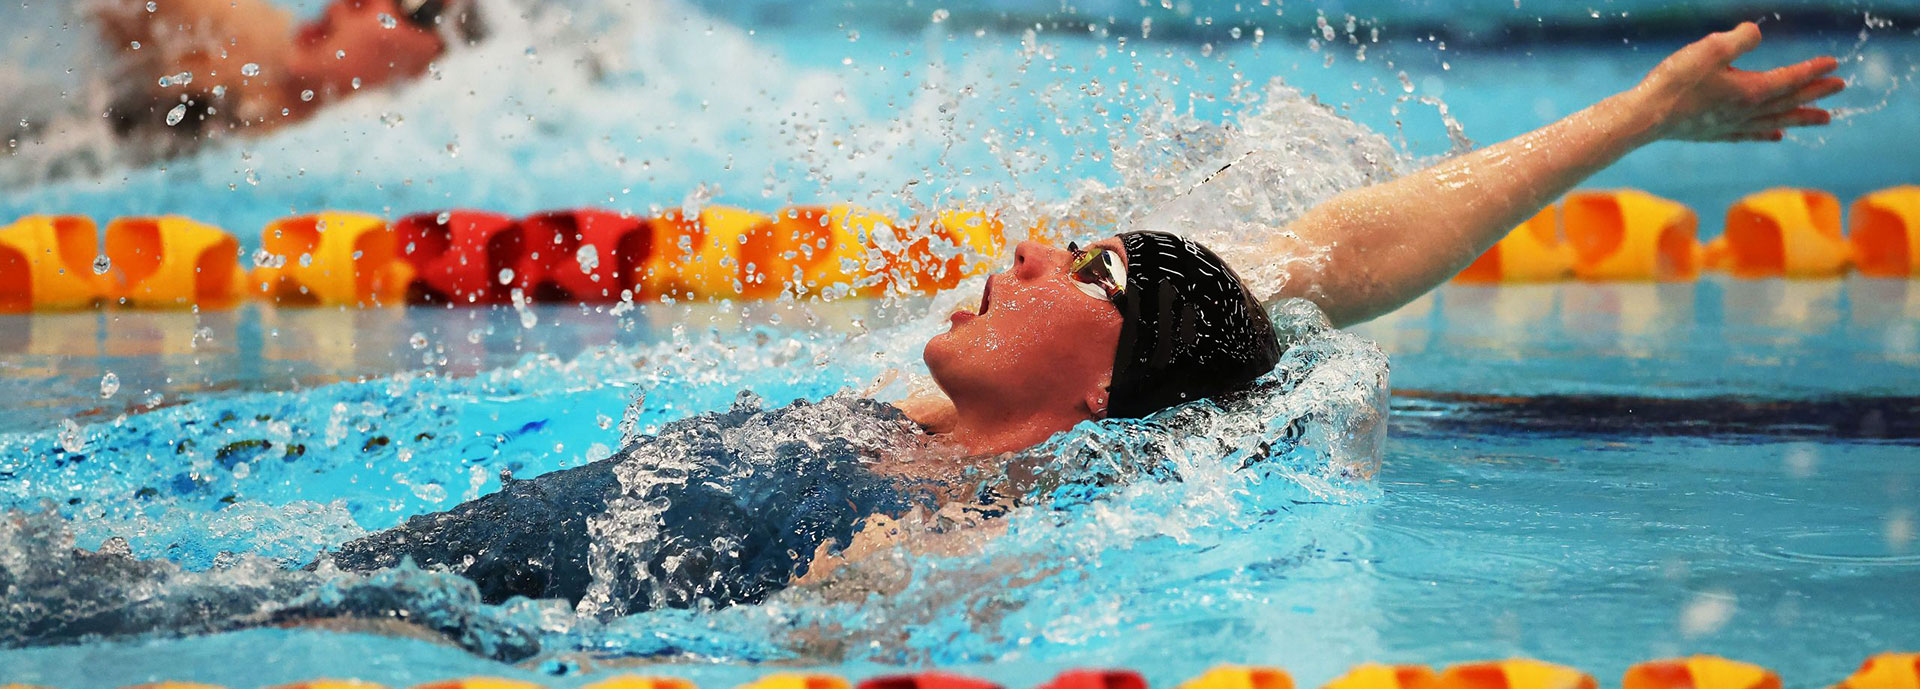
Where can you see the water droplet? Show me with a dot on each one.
(71, 437)
(134, 45)
(387, 21)
(418, 341)
(306, 96)
(356, 83)
(940, 15)
(506, 275)
(243, 470)
(588, 258)
(444, 217)
(102, 264)
(249, 70)
(109, 384)
(178, 113)
(153, 6)
(219, 91)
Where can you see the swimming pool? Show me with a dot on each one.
(1594, 474)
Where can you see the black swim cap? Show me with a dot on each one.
(1191, 329)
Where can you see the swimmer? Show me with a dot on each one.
(1130, 325)
(715, 511)
(242, 66)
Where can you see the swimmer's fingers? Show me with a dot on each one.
(1797, 117)
(1725, 47)
(1763, 135)
(1803, 94)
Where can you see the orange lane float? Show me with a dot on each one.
(332, 684)
(1785, 233)
(587, 255)
(1885, 671)
(818, 251)
(1631, 235)
(938, 253)
(697, 257)
(1532, 252)
(330, 259)
(1375, 676)
(1240, 677)
(459, 256)
(1885, 232)
(1699, 672)
(172, 261)
(47, 262)
(1513, 674)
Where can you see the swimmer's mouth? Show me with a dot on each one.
(986, 297)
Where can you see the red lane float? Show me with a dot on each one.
(1097, 679)
(640, 682)
(46, 262)
(1885, 233)
(586, 255)
(172, 261)
(458, 256)
(926, 680)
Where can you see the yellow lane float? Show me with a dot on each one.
(47, 262)
(332, 684)
(1886, 671)
(696, 257)
(1699, 672)
(479, 683)
(1785, 233)
(330, 259)
(789, 680)
(1240, 677)
(1514, 674)
(172, 261)
(1532, 252)
(1885, 232)
(1631, 235)
(819, 251)
(1375, 676)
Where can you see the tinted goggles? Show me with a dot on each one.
(1100, 273)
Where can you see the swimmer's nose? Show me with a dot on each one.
(1032, 259)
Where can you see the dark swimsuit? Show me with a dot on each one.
(740, 525)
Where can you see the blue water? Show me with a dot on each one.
(1588, 474)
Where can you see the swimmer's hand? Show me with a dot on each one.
(1701, 96)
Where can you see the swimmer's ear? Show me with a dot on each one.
(1096, 401)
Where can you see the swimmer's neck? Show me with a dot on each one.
(990, 431)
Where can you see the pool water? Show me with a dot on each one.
(1587, 474)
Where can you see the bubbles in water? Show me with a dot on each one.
(178, 113)
(250, 70)
(109, 384)
(430, 492)
(102, 264)
(1707, 613)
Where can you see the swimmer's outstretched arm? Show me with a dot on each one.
(1389, 243)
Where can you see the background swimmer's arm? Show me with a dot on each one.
(212, 40)
(1389, 243)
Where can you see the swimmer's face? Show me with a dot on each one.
(1039, 344)
(369, 40)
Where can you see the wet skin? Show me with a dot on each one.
(1035, 360)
